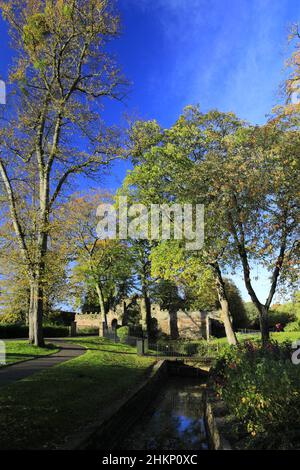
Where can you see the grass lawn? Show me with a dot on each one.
(20, 350)
(279, 337)
(286, 336)
(41, 410)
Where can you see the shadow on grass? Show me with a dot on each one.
(72, 348)
(19, 355)
(99, 345)
(112, 352)
(40, 411)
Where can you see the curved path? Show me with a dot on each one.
(21, 370)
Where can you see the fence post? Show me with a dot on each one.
(102, 328)
(73, 329)
(140, 347)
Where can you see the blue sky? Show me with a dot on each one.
(226, 54)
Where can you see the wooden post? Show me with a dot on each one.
(207, 328)
(73, 329)
(102, 328)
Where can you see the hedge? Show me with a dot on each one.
(88, 330)
(8, 331)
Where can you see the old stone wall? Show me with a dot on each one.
(190, 324)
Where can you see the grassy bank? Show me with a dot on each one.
(279, 337)
(17, 351)
(41, 410)
(212, 348)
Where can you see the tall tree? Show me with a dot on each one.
(164, 162)
(291, 88)
(140, 248)
(196, 281)
(14, 282)
(166, 294)
(251, 176)
(141, 265)
(55, 130)
(101, 266)
(247, 178)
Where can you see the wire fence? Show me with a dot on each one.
(247, 331)
(181, 349)
(111, 333)
(200, 349)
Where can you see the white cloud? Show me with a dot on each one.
(225, 53)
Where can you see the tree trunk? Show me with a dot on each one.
(27, 307)
(146, 313)
(225, 310)
(263, 310)
(36, 314)
(101, 304)
(264, 323)
(30, 315)
(37, 285)
(37, 298)
(37, 303)
(173, 324)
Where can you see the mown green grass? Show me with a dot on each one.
(279, 337)
(215, 345)
(286, 336)
(17, 351)
(41, 410)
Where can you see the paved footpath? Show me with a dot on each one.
(19, 371)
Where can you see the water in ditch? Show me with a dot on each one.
(173, 422)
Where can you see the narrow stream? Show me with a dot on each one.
(173, 422)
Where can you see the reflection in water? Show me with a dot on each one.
(174, 422)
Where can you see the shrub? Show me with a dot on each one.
(261, 387)
(123, 333)
(87, 330)
(278, 316)
(61, 317)
(293, 326)
(9, 330)
(55, 331)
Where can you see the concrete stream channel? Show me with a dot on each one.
(167, 412)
